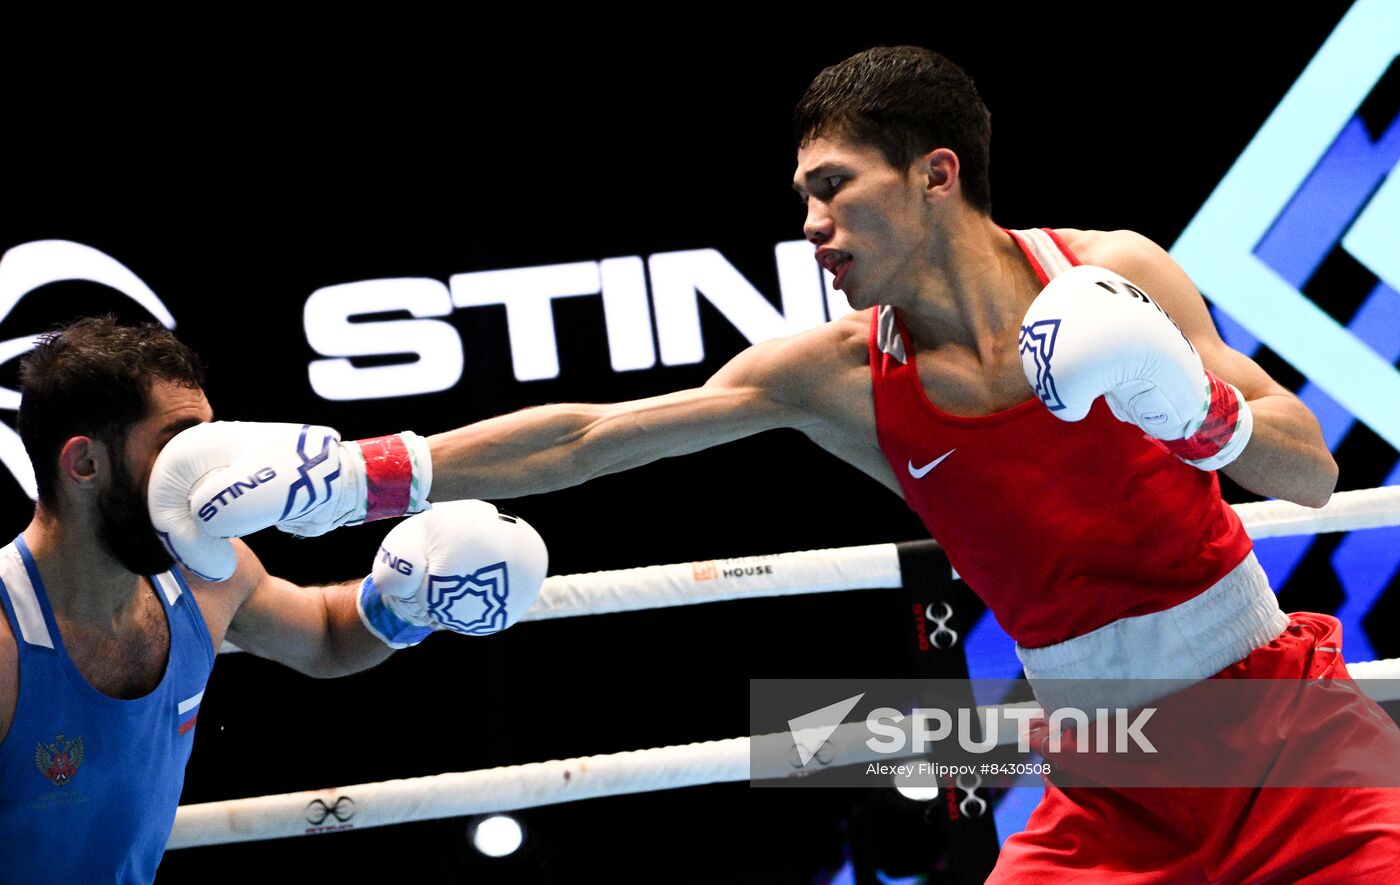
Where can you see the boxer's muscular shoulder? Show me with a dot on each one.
(817, 382)
(821, 374)
(822, 378)
(219, 602)
(848, 391)
(1107, 248)
(1148, 265)
(1124, 252)
(842, 401)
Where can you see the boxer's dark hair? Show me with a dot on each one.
(92, 377)
(904, 101)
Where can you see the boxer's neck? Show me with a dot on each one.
(975, 289)
(82, 580)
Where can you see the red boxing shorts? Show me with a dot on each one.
(1234, 834)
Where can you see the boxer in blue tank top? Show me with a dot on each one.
(105, 770)
(105, 645)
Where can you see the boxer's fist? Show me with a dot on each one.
(462, 566)
(1091, 333)
(228, 479)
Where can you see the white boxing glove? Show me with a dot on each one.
(227, 479)
(462, 566)
(1091, 333)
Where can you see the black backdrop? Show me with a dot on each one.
(253, 163)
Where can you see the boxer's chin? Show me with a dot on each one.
(124, 528)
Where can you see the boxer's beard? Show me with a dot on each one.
(124, 524)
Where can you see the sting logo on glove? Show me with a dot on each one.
(211, 507)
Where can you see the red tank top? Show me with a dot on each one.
(1059, 527)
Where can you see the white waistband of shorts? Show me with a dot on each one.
(1190, 641)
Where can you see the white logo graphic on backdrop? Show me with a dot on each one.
(650, 307)
(25, 268)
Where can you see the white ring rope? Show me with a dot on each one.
(662, 768)
(548, 783)
(462, 793)
(689, 583)
(1347, 511)
(873, 566)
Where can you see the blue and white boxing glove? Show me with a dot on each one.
(462, 566)
(1091, 333)
(227, 479)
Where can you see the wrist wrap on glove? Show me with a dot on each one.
(378, 478)
(1226, 426)
(381, 620)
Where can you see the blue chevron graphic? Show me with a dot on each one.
(1038, 341)
(1338, 194)
(306, 484)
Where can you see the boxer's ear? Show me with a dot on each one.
(937, 172)
(84, 464)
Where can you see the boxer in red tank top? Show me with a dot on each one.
(1057, 587)
(1063, 464)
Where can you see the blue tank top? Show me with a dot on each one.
(89, 784)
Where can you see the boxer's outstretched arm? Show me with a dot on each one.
(1286, 456)
(552, 447)
(223, 480)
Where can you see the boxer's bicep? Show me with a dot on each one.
(313, 630)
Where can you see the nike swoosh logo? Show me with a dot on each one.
(921, 472)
